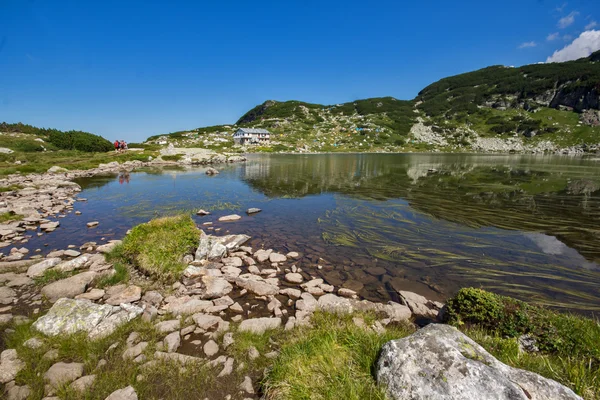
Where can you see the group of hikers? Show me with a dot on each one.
(120, 146)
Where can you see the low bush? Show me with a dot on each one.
(555, 333)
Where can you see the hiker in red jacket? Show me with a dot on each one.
(116, 146)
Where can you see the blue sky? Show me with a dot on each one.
(131, 69)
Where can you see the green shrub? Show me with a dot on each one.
(555, 333)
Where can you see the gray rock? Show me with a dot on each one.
(262, 255)
(246, 385)
(37, 270)
(253, 210)
(215, 287)
(69, 287)
(153, 297)
(127, 393)
(439, 362)
(61, 373)
(228, 340)
(15, 392)
(168, 326)
(229, 218)
(134, 351)
(74, 264)
(187, 305)
(94, 294)
(72, 253)
(418, 304)
(253, 353)
(206, 322)
(277, 258)
(69, 316)
(211, 348)
(33, 343)
(84, 383)
(127, 295)
(172, 342)
(7, 295)
(259, 325)
(291, 293)
(335, 304)
(215, 247)
(259, 288)
(10, 365)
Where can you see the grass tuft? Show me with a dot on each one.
(157, 247)
(332, 359)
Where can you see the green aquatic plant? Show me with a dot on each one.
(505, 260)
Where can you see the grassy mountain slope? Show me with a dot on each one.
(539, 108)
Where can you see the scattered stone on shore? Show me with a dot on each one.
(259, 325)
(38, 269)
(127, 393)
(61, 373)
(456, 367)
(253, 210)
(10, 365)
(202, 212)
(418, 304)
(128, 294)
(68, 287)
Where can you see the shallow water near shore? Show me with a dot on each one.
(525, 226)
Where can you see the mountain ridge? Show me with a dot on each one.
(538, 107)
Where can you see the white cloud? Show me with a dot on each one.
(527, 44)
(587, 43)
(568, 20)
(591, 25)
(552, 36)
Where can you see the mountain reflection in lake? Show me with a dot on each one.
(519, 225)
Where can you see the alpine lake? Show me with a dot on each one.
(523, 226)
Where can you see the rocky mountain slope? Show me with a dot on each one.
(534, 108)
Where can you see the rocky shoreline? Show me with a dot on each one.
(225, 284)
(41, 200)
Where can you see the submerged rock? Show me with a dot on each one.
(439, 362)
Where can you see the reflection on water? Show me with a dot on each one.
(520, 225)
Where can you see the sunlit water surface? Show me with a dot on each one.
(524, 226)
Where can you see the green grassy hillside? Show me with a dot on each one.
(534, 108)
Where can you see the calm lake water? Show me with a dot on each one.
(525, 226)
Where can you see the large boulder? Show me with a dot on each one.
(439, 362)
(69, 316)
(216, 247)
